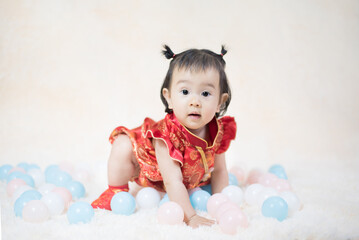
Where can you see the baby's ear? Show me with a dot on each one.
(166, 94)
(222, 101)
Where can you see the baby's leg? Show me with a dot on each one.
(122, 165)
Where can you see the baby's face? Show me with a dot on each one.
(194, 97)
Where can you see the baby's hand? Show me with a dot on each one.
(195, 221)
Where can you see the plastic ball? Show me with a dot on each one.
(17, 169)
(54, 202)
(234, 193)
(231, 220)
(170, 213)
(4, 170)
(279, 171)
(14, 185)
(275, 207)
(26, 177)
(35, 211)
(268, 180)
(65, 194)
(252, 192)
(50, 172)
(226, 206)
(292, 200)
(207, 188)
(76, 188)
(283, 185)
(81, 175)
(46, 188)
(239, 173)
(265, 194)
(33, 166)
(60, 178)
(23, 165)
(193, 190)
(24, 199)
(80, 212)
(164, 199)
(123, 203)
(232, 179)
(37, 175)
(215, 201)
(253, 176)
(199, 200)
(20, 191)
(148, 198)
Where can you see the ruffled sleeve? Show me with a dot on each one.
(228, 127)
(168, 133)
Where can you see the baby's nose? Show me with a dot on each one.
(195, 102)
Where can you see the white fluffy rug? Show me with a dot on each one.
(328, 191)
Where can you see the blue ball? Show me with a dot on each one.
(60, 178)
(279, 171)
(76, 188)
(80, 212)
(123, 203)
(26, 197)
(275, 207)
(32, 166)
(50, 172)
(4, 170)
(26, 177)
(164, 199)
(199, 200)
(232, 179)
(207, 188)
(24, 166)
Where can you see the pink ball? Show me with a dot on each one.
(268, 180)
(170, 213)
(253, 176)
(215, 201)
(225, 207)
(14, 185)
(65, 194)
(283, 185)
(239, 173)
(35, 211)
(230, 220)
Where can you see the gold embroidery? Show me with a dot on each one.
(203, 158)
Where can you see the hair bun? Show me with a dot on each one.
(223, 51)
(168, 52)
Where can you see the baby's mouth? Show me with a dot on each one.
(194, 115)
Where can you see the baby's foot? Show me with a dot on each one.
(104, 200)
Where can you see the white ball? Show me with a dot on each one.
(46, 188)
(234, 193)
(54, 202)
(252, 192)
(38, 176)
(20, 191)
(292, 201)
(148, 198)
(265, 194)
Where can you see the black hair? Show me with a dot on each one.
(194, 60)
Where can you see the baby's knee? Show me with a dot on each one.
(122, 144)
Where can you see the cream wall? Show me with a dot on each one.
(71, 71)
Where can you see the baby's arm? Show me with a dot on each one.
(219, 178)
(177, 192)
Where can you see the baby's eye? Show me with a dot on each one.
(184, 92)
(205, 94)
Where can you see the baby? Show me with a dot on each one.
(187, 148)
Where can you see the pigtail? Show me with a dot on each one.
(223, 50)
(168, 52)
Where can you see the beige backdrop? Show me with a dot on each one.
(71, 71)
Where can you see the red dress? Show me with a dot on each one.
(195, 155)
